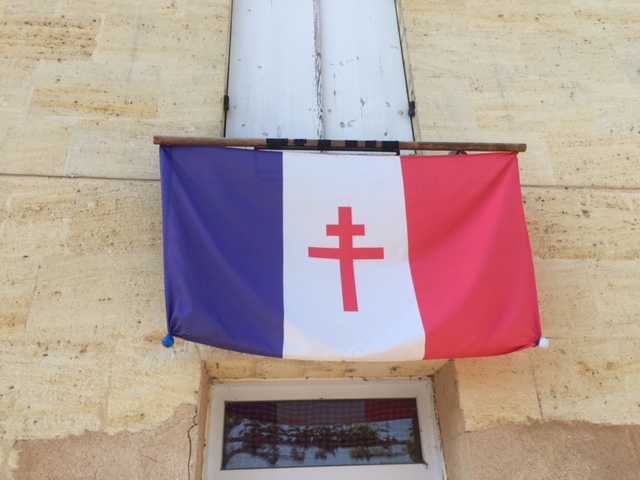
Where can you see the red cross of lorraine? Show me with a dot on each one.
(346, 253)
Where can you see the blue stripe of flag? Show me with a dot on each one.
(223, 257)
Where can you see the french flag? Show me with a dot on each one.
(347, 257)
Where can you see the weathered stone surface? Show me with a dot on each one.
(37, 216)
(516, 104)
(571, 57)
(595, 299)
(34, 144)
(117, 217)
(113, 148)
(530, 450)
(590, 379)
(188, 40)
(583, 223)
(196, 110)
(625, 49)
(95, 298)
(613, 106)
(554, 450)
(616, 19)
(567, 298)
(167, 453)
(14, 88)
(147, 382)
(223, 365)
(541, 17)
(86, 89)
(497, 390)
(52, 387)
(8, 457)
(591, 160)
(48, 36)
(617, 288)
(18, 278)
(451, 422)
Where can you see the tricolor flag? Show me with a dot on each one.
(347, 257)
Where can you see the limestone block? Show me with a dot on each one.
(117, 217)
(52, 388)
(206, 7)
(6, 192)
(497, 390)
(226, 366)
(15, 88)
(542, 16)
(38, 214)
(105, 6)
(164, 453)
(616, 19)
(587, 159)
(567, 299)
(540, 105)
(567, 57)
(41, 36)
(149, 382)
(17, 283)
(451, 422)
(187, 40)
(589, 299)
(617, 288)
(614, 106)
(86, 89)
(447, 106)
(34, 144)
(461, 54)
(113, 148)
(192, 99)
(369, 370)
(8, 457)
(30, 6)
(626, 49)
(498, 81)
(590, 379)
(423, 16)
(552, 451)
(583, 223)
(97, 298)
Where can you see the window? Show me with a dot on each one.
(317, 69)
(312, 430)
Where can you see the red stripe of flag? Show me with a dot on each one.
(470, 255)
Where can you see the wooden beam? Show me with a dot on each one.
(348, 145)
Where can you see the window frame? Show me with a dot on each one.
(421, 390)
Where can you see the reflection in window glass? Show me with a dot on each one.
(320, 432)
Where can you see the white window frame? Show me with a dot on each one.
(421, 390)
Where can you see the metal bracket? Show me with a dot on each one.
(412, 109)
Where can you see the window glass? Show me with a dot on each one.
(320, 433)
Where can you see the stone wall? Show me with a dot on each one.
(86, 390)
